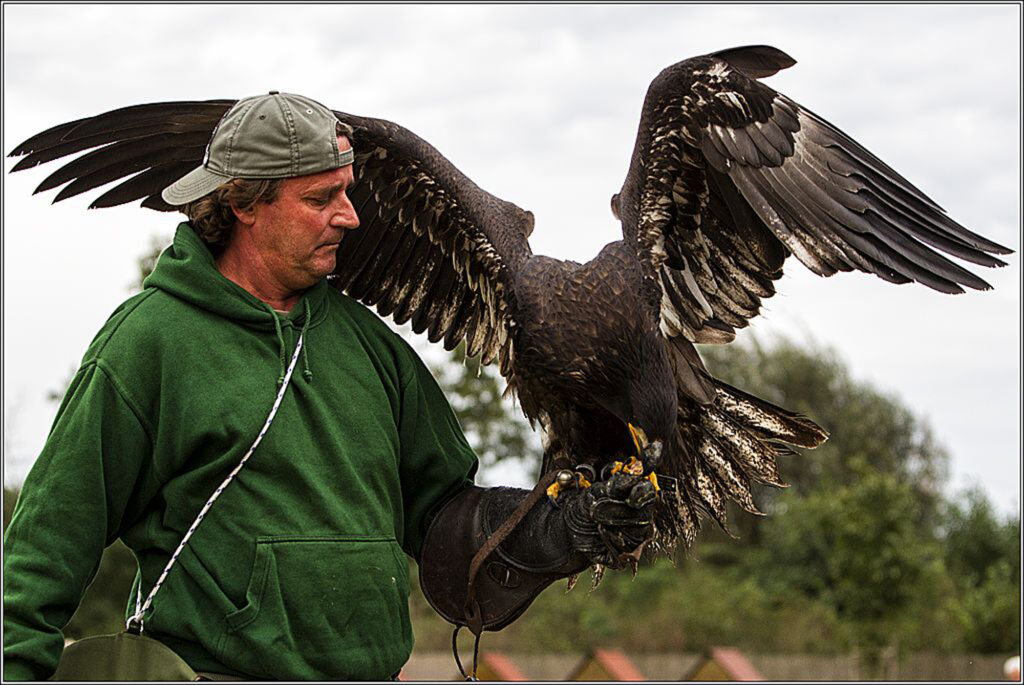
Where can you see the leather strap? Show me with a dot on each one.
(474, 617)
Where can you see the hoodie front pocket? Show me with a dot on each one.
(320, 607)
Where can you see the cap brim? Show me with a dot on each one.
(192, 186)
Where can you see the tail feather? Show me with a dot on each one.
(724, 446)
(677, 518)
(709, 494)
(757, 456)
(730, 474)
(782, 449)
(767, 420)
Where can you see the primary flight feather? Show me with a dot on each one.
(727, 179)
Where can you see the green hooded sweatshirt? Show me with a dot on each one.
(297, 572)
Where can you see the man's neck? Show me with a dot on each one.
(250, 272)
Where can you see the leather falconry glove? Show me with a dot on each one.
(608, 523)
(612, 521)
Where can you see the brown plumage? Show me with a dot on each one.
(727, 179)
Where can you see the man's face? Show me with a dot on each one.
(296, 236)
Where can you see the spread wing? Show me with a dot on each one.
(153, 144)
(433, 248)
(728, 177)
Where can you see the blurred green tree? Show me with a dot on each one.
(982, 553)
(855, 547)
(975, 538)
(147, 262)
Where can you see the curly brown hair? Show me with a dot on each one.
(212, 215)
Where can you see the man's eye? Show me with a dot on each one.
(318, 201)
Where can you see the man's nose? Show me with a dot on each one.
(345, 216)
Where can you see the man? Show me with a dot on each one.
(297, 571)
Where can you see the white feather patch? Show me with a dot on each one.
(695, 290)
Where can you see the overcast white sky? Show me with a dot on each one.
(539, 105)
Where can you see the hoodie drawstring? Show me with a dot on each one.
(306, 373)
(280, 342)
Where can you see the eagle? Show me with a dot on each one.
(727, 179)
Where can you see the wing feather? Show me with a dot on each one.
(727, 179)
(432, 246)
(120, 159)
(421, 303)
(143, 184)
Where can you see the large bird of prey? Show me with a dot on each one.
(727, 179)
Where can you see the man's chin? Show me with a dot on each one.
(323, 265)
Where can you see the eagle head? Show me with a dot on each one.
(642, 395)
(651, 425)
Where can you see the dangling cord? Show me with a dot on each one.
(476, 653)
(455, 652)
(135, 621)
(134, 624)
(280, 342)
(306, 373)
(458, 661)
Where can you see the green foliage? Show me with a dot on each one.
(689, 607)
(993, 610)
(853, 547)
(147, 262)
(975, 539)
(983, 555)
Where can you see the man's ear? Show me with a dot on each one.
(246, 217)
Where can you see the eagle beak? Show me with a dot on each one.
(639, 439)
(635, 464)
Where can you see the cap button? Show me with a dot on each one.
(275, 92)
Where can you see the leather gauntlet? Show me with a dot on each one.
(608, 523)
(535, 554)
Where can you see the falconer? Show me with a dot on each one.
(299, 568)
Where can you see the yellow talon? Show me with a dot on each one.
(580, 482)
(633, 467)
(654, 480)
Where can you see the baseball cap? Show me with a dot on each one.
(279, 135)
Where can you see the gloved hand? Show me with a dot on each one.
(611, 521)
(608, 523)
